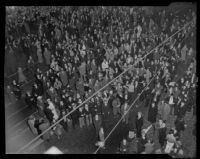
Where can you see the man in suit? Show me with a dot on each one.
(124, 110)
(30, 100)
(97, 123)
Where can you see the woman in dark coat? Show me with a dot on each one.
(16, 90)
(152, 114)
(162, 133)
(180, 125)
(139, 124)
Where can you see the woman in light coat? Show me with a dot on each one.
(31, 122)
(21, 76)
(39, 54)
(165, 111)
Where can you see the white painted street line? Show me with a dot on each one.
(16, 125)
(6, 105)
(14, 137)
(10, 116)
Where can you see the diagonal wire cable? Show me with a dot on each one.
(37, 137)
(127, 111)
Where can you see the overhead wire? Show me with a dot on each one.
(127, 111)
(53, 125)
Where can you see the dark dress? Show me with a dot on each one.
(141, 143)
(139, 124)
(162, 136)
(152, 114)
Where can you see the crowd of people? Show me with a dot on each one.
(87, 47)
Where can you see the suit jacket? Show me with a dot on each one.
(43, 127)
(48, 114)
(139, 123)
(123, 109)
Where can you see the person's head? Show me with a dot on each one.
(14, 82)
(96, 117)
(101, 130)
(124, 141)
(139, 115)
